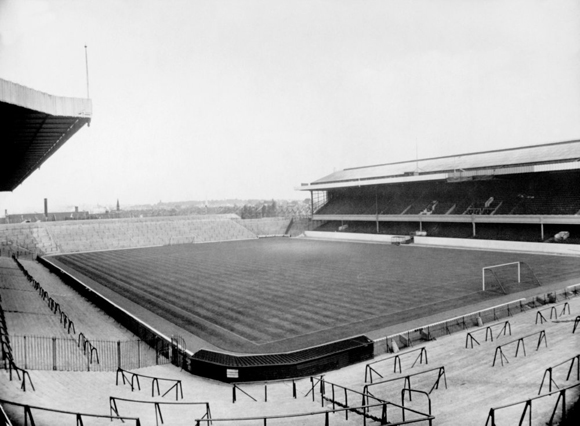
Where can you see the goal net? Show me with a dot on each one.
(508, 277)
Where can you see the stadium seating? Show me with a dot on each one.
(537, 194)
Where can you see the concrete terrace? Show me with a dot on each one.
(473, 385)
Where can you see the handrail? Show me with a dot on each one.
(499, 349)
(528, 405)
(410, 392)
(314, 413)
(154, 382)
(397, 359)
(29, 418)
(488, 332)
(25, 374)
(548, 371)
(157, 406)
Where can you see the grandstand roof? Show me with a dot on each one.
(553, 156)
(34, 126)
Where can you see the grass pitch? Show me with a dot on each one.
(275, 295)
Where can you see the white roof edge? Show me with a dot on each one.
(572, 165)
(22, 96)
(366, 182)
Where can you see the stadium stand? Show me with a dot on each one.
(502, 190)
(105, 234)
(498, 193)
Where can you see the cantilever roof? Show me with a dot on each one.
(34, 126)
(516, 159)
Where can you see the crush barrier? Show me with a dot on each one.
(295, 417)
(520, 342)
(332, 392)
(506, 327)
(157, 407)
(553, 312)
(452, 325)
(407, 380)
(238, 387)
(549, 371)
(431, 331)
(561, 400)
(369, 370)
(29, 417)
(132, 378)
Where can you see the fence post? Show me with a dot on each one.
(25, 354)
(119, 353)
(54, 353)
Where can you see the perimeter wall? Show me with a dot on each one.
(544, 248)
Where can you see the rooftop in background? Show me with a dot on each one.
(538, 158)
(34, 126)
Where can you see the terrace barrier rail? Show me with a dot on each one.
(369, 370)
(561, 400)
(339, 396)
(157, 407)
(506, 327)
(520, 343)
(132, 378)
(431, 331)
(549, 371)
(452, 325)
(553, 312)
(323, 413)
(407, 380)
(238, 387)
(29, 417)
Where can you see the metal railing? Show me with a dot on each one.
(407, 380)
(132, 378)
(396, 362)
(157, 407)
(29, 418)
(520, 343)
(238, 387)
(69, 354)
(506, 327)
(549, 372)
(528, 407)
(553, 312)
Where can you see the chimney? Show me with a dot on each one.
(46, 208)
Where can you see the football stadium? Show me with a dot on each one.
(465, 269)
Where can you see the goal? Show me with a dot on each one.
(508, 277)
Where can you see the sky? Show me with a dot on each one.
(213, 99)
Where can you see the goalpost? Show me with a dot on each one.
(507, 273)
